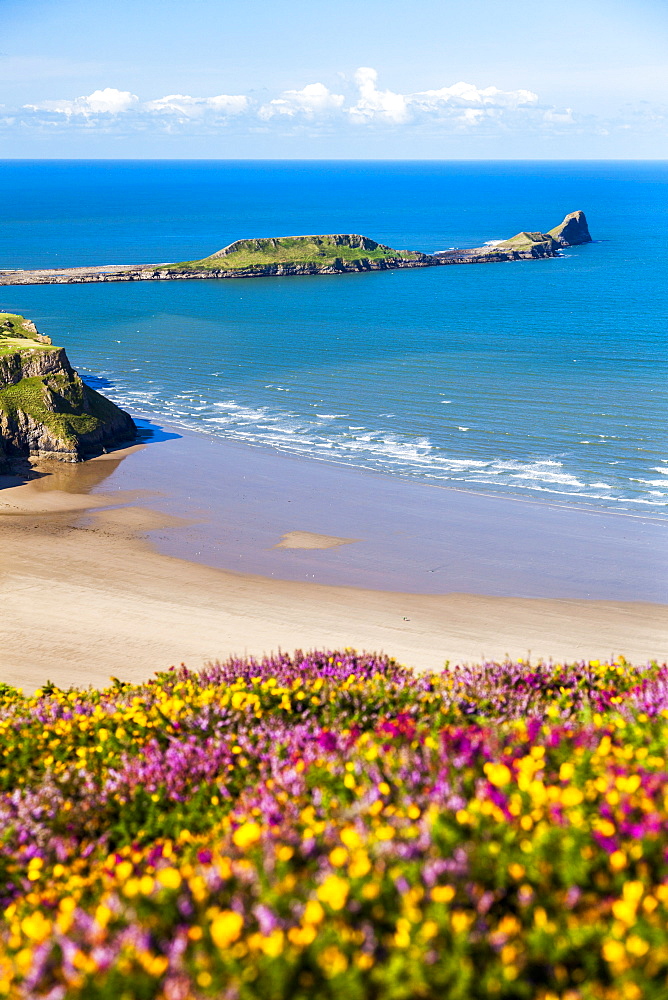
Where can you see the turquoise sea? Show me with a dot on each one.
(544, 379)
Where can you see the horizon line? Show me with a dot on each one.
(326, 159)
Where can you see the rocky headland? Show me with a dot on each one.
(301, 255)
(46, 410)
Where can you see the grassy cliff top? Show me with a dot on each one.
(320, 250)
(20, 334)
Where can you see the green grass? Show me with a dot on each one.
(10, 345)
(36, 395)
(12, 324)
(321, 251)
(30, 396)
(16, 336)
(524, 241)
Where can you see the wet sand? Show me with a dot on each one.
(254, 510)
(164, 554)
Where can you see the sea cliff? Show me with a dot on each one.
(46, 410)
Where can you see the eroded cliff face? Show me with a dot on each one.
(45, 408)
(573, 231)
(169, 272)
(337, 266)
(26, 364)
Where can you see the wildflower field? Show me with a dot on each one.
(332, 825)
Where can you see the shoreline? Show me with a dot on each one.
(241, 499)
(169, 272)
(108, 582)
(146, 422)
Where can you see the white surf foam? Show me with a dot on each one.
(328, 435)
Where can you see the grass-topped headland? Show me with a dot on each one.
(320, 254)
(333, 825)
(330, 251)
(45, 408)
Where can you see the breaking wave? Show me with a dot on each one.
(330, 436)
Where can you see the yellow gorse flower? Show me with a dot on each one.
(498, 774)
(226, 928)
(247, 835)
(36, 927)
(169, 878)
(334, 892)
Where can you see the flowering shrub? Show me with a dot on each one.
(333, 825)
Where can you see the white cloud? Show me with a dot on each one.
(107, 101)
(464, 102)
(553, 116)
(471, 116)
(116, 102)
(363, 104)
(467, 93)
(462, 94)
(314, 100)
(196, 107)
(373, 104)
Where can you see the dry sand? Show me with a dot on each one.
(84, 596)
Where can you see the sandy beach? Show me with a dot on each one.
(87, 592)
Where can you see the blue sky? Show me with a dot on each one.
(355, 79)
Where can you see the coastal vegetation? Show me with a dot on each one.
(45, 407)
(19, 335)
(536, 242)
(332, 824)
(322, 251)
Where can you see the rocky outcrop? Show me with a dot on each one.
(46, 410)
(524, 246)
(28, 364)
(573, 231)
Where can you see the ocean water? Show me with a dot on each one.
(543, 379)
